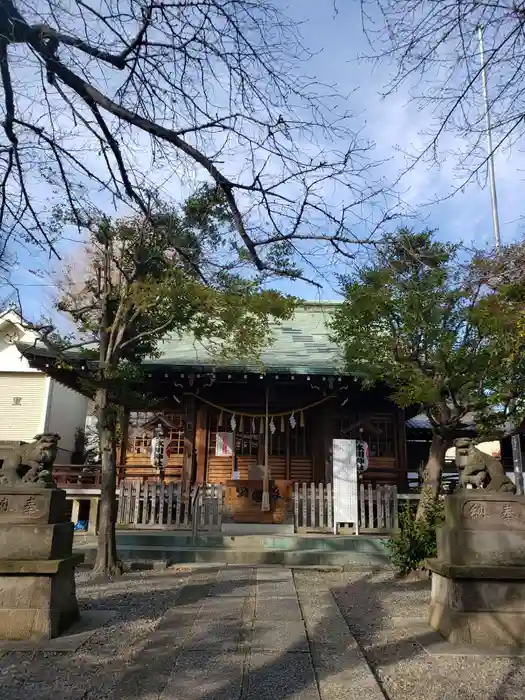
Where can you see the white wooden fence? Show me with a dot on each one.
(378, 508)
(313, 506)
(159, 506)
(171, 506)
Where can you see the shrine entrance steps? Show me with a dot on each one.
(249, 549)
(256, 529)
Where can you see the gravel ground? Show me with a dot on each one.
(139, 600)
(379, 609)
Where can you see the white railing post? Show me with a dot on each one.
(296, 505)
(304, 494)
(329, 506)
(120, 502)
(370, 495)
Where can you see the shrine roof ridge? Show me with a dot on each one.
(301, 345)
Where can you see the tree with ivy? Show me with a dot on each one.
(428, 325)
(140, 279)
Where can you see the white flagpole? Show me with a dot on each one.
(516, 439)
(490, 150)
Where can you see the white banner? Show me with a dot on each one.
(224, 445)
(346, 506)
(154, 447)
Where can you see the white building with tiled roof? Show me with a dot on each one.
(30, 401)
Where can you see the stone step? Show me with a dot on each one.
(254, 557)
(351, 543)
(256, 529)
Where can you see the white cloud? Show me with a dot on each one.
(398, 125)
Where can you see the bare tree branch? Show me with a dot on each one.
(435, 46)
(215, 87)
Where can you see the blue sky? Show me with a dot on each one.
(395, 125)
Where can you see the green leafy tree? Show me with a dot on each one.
(500, 311)
(419, 320)
(140, 279)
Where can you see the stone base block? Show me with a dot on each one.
(496, 630)
(481, 612)
(498, 547)
(31, 504)
(37, 606)
(36, 541)
(477, 509)
(468, 595)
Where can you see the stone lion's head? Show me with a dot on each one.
(47, 446)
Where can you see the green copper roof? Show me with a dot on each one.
(300, 346)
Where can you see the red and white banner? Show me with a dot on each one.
(224, 445)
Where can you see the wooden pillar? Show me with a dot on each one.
(401, 449)
(201, 443)
(234, 453)
(122, 450)
(331, 431)
(288, 450)
(75, 510)
(124, 433)
(93, 516)
(322, 430)
(315, 425)
(188, 463)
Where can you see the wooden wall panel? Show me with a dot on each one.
(146, 472)
(301, 469)
(220, 468)
(144, 460)
(381, 470)
(277, 467)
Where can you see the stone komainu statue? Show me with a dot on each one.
(480, 470)
(31, 464)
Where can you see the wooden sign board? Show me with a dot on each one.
(346, 505)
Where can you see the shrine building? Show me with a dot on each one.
(214, 419)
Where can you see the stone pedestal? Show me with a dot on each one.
(478, 577)
(37, 566)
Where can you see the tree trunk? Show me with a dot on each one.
(433, 472)
(107, 563)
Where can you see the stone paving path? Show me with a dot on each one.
(250, 634)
